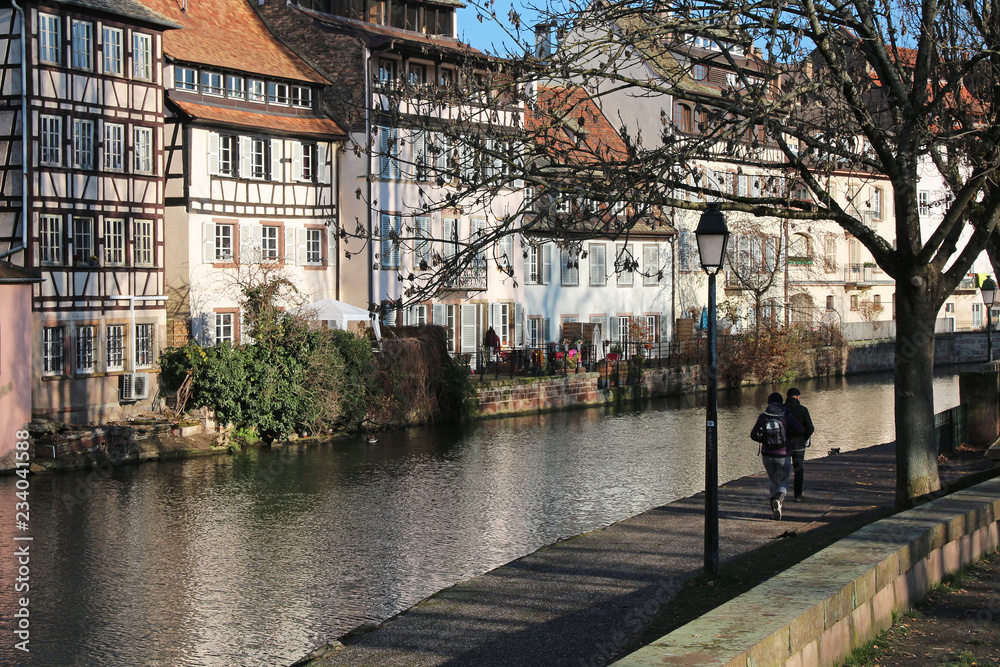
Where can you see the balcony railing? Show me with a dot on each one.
(862, 274)
(967, 284)
(472, 277)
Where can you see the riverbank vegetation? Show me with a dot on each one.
(770, 353)
(297, 378)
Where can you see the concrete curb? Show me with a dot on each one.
(817, 612)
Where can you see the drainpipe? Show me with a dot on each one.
(24, 138)
(368, 154)
(335, 184)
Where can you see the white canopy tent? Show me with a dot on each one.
(338, 314)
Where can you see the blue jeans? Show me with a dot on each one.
(779, 471)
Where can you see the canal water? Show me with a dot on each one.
(258, 558)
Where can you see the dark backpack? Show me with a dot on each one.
(773, 433)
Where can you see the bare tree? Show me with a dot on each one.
(794, 110)
(870, 310)
(755, 263)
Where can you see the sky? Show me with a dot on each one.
(486, 35)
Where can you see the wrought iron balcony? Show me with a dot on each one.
(862, 274)
(472, 277)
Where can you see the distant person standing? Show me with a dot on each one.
(773, 429)
(798, 443)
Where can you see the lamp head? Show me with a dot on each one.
(712, 234)
(989, 291)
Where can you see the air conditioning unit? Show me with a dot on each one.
(134, 387)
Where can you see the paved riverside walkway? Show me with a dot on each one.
(580, 601)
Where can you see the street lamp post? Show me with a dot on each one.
(989, 292)
(712, 235)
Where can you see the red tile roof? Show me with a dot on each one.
(574, 128)
(228, 34)
(265, 121)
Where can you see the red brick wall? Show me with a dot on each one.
(178, 333)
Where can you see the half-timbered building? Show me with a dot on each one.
(397, 69)
(251, 168)
(82, 197)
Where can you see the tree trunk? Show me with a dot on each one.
(916, 450)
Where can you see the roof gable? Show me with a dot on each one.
(228, 34)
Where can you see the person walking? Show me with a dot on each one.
(773, 428)
(798, 443)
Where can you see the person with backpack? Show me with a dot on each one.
(798, 443)
(774, 427)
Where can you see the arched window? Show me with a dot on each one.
(682, 117)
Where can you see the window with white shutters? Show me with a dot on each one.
(388, 153)
(569, 264)
(650, 265)
(598, 261)
(624, 264)
(390, 241)
(422, 243)
(470, 329)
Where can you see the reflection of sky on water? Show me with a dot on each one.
(258, 558)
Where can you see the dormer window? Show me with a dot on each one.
(255, 91)
(211, 83)
(185, 79)
(699, 72)
(235, 88)
(277, 93)
(302, 97)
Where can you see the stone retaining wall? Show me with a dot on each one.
(817, 612)
(957, 348)
(511, 396)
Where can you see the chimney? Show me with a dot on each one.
(543, 41)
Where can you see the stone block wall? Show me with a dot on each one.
(956, 348)
(511, 396)
(818, 611)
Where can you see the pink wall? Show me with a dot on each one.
(15, 362)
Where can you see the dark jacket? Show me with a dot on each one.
(801, 413)
(792, 428)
